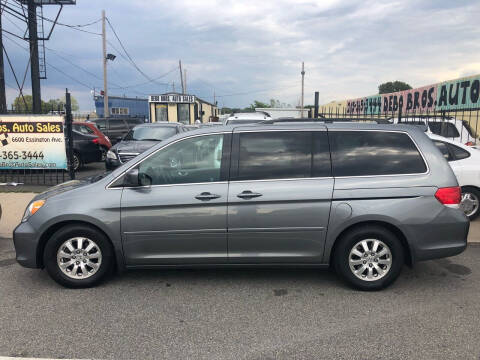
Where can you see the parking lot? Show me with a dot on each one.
(432, 312)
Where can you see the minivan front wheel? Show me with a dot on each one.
(369, 257)
(78, 256)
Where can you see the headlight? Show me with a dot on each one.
(32, 208)
(111, 155)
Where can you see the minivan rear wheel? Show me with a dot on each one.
(78, 256)
(369, 257)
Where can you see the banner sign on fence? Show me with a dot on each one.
(32, 142)
(463, 93)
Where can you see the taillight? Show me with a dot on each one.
(449, 195)
(95, 141)
(470, 143)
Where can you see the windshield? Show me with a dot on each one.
(239, 121)
(153, 133)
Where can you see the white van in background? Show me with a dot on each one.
(449, 127)
(247, 118)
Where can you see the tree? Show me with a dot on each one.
(258, 104)
(394, 86)
(59, 104)
(50, 105)
(21, 106)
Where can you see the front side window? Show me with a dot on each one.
(275, 155)
(362, 153)
(193, 160)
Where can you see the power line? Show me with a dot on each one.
(54, 67)
(157, 78)
(128, 55)
(74, 27)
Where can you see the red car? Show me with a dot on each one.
(90, 129)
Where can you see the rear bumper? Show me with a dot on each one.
(26, 245)
(447, 236)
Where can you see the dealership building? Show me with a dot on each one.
(183, 108)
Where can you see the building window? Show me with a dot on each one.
(184, 113)
(161, 112)
(119, 111)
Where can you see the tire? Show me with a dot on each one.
(470, 204)
(92, 265)
(77, 162)
(104, 153)
(366, 279)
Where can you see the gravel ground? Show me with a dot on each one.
(431, 312)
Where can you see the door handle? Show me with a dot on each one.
(206, 196)
(247, 194)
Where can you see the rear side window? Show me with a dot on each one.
(84, 129)
(361, 153)
(116, 124)
(443, 147)
(458, 152)
(275, 155)
(101, 124)
(444, 129)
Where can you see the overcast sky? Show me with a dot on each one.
(248, 50)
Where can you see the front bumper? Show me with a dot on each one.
(26, 245)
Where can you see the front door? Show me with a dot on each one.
(279, 196)
(179, 213)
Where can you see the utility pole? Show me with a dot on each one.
(181, 75)
(34, 64)
(3, 97)
(303, 85)
(104, 52)
(185, 81)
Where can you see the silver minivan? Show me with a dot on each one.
(364, 199)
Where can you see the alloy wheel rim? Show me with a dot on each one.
(79, 258)
(370, 259)
(469, 203)
(76, 162)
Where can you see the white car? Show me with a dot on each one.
(247, 118)
(465, 163)
(451, 128)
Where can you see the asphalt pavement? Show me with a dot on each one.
(431, 312)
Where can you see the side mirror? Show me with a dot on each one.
(118, 139)
(131, 178)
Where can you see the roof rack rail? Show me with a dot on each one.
(326, 120)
